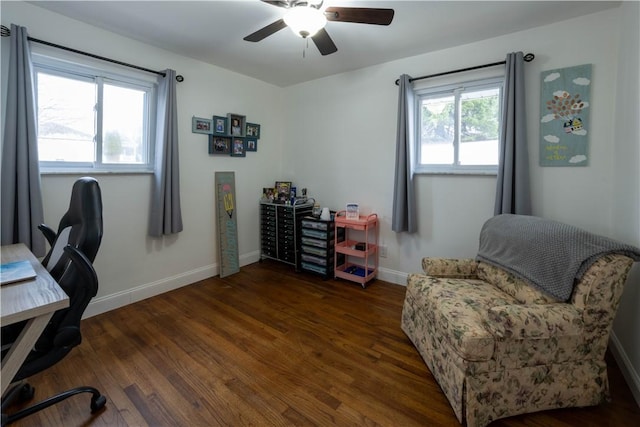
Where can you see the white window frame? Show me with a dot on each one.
(453, 89)
(102, 73)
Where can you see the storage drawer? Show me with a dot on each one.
(314, 242)
(287, 233)
(286, 214)
(268, 211)
(314, 268)
(315, 259)
(286, 225)
(271, 252)
(314, 233)
(318, 234)
(269, 239)
(317, 225)
(314, 251)
(269, 231)
(288, 257)
(290, 238)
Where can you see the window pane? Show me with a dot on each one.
(123, 125)
(437, 130)
(479, 127)
(66, 119)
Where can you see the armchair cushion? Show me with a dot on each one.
(458, 307)
(512, 285)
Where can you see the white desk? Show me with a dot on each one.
(34, 300)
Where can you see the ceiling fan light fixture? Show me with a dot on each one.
(305, 21)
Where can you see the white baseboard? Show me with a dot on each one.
(111, 302)
(392, 276)
(628, 371)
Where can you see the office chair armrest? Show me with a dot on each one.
(48, 233)
(84, 267)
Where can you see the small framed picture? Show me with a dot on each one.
(352, 211)
(251, 144)
(283, 191)
(220, 125)
(237, 124)
(253, 130)
(219, 145)
(238, 148)
(268, 194)
(201, 125)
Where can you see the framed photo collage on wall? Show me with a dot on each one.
(229, 135)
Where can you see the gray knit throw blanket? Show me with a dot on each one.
(547, 254)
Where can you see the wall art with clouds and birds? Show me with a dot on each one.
(564, 116)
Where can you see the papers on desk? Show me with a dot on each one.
(16, 271)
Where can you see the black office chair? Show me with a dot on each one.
(69, 261)
(80, 283)
(80, 226)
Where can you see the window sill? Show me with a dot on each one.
(94, 172)
(463, 172)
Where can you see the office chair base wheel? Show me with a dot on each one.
(20, 392)
(97, 403)
(27, 392)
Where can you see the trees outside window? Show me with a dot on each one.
(459, 128)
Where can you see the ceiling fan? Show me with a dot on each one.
(306, 19)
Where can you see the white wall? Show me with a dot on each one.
(341, 142)
(131, 265)
(626, 207)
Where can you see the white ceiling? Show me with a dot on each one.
(213, 31)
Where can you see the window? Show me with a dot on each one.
(91, 119)
(458, 127)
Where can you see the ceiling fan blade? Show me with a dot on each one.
(266, 31)
(323, 42)
(360, 15)
(279, 3)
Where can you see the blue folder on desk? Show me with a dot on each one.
(16, 271)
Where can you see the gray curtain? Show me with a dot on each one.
(21, 209)
(404, 203)
(512, 191)
(166, 215)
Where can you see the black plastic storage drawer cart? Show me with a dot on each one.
(317, 241)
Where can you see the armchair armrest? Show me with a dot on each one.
(535, 321)
(464, 268)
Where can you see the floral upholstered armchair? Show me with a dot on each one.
(502, 336)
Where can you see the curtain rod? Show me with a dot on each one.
(527, 58)
(6, 32)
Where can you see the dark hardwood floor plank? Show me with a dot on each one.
(269, 347)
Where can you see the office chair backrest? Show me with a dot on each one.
(62, 333)
(80, 226)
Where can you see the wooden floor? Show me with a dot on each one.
(269, 347)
